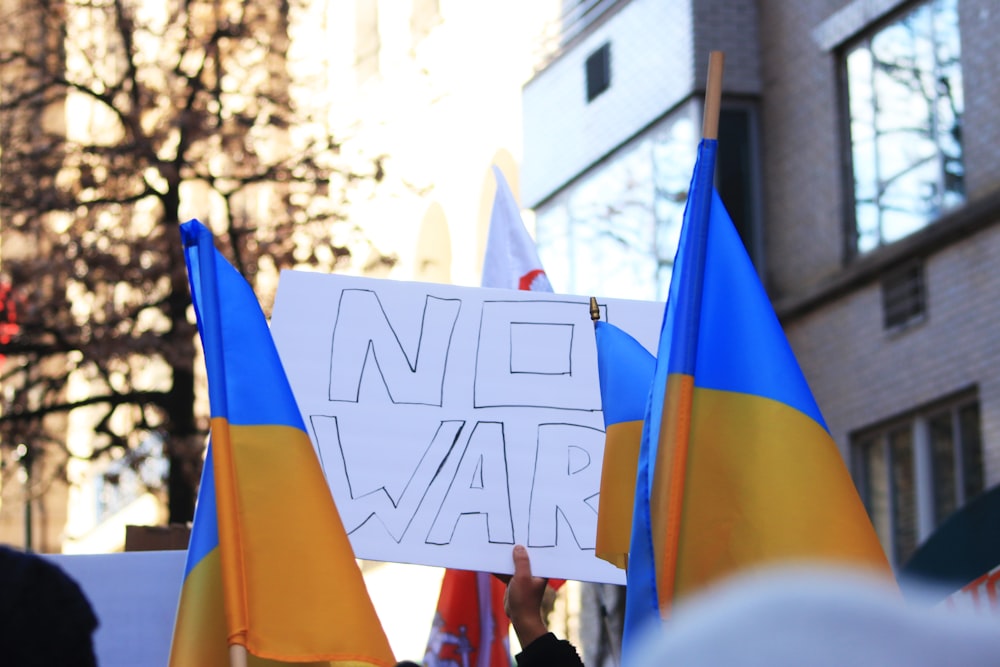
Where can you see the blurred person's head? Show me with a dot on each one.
(45, 618)
(818, 618)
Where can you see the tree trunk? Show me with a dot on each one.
(184, 446)
(184, 449)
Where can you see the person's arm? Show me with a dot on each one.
(523, 599)
(523, 604)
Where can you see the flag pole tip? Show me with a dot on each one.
(713, 95)
(595, 311)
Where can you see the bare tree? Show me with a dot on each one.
(119, 118)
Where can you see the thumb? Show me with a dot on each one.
(522, 563)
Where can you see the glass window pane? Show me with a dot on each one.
(884, 460)
(868, 221)
(943, 459)
(903, 493)
(875, 480)
(904, 87)
(972, 451)
(552, 237)
(950, 101)
(615, 232)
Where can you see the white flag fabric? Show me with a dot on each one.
(511, 260)
(470, 618)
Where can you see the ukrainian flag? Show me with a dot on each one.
(268, 549)
(201, 617)
(738, 468)
(625, 369)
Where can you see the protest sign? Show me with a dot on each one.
(453, 422)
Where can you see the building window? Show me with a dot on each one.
(905, 105)
(614, 232)
(915, 471)
(367, 42)
(904, 296)
(598, 68)
(736, 173)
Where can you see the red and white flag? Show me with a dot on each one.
(470, 627)
(511, 260)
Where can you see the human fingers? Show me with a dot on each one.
(522, 562)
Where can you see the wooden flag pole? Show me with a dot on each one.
(713, 95)
(675, 424)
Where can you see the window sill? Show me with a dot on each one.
(954, 226)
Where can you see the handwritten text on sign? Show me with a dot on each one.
(453, 422)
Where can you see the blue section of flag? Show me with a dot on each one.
(676, 354)
(235, 393)
(681, 319)
(205, 529)
(625, 369)
(720, 329)
(755, 357)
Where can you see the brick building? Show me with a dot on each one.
(856, 157)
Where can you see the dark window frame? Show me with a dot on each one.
(597, 71)
(964, 487)
(744, 207)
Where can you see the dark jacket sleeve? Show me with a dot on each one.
(549, 652)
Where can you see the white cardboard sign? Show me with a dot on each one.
(454, 422)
